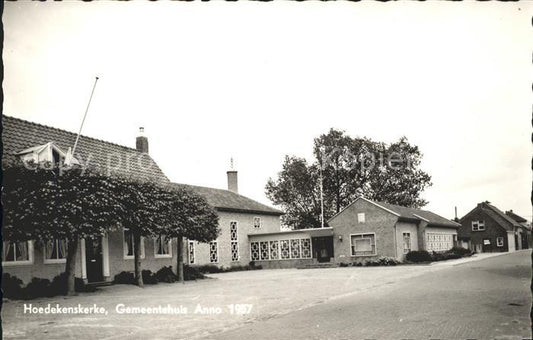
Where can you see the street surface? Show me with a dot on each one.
(487, 299)
(483, 297)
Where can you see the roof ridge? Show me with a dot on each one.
(501, 213)
(74, 133)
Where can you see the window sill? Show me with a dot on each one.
(57, 261)
(364, 255)
(167, 256)
(16, 263)
(132, 257)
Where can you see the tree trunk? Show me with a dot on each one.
(181, 277)
(137, 259)
(70, 268)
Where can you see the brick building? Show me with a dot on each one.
(101, 258)
(488, 229)
(364, 229)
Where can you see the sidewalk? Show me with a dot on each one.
(473, 258)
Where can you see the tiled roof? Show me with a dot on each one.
(418, 214)
(225, 200)
(20, 134)
(496, 214)
(515, 217)
(410, 214)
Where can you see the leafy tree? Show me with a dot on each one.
(186, 214)
(44, 202)
(349, 168)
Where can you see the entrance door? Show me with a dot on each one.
(323, 248)
(93, 259)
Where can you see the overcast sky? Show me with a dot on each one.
(256, 81)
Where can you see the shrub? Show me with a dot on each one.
(11, 286)
(124, 278)
(342, 264)
(166, 274)
(36, 288)
(417, 256)
(149, 277)
(59, 285)
(209, 268)
(460, 251)
(381, 261)
(192, 273)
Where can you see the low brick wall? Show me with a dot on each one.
(282, 264)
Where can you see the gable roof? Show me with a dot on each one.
(20, 135)
(515, 217)
(225, 200)
(411, 214)
(496, 214)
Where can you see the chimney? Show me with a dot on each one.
(141, 142)
(233, 183)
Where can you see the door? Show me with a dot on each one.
(93, 259)
(323, 248)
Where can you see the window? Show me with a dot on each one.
(191, 252)
(406, 242)
(254, 251)
(361, 217)
(55, 251)
(295, 249)
(234, 245)
(363, 244)
(499, 241)
(439, 242)
(213, 251)
(257, 222)
(478, 225)
(281, 250)
(285, 249)
(162, 247)
(16, 253)
(129, 246)
(264, 250)
(274, 253)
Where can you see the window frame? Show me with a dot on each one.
(234, 241)
(125, 248)
(156, 248)
(360, 234)
(361, 217)
(258, 218)
(189, 244)
(478, 223)
(54, 261)
(404, 234)
(217, 252)
(29, 261)
(498, 241)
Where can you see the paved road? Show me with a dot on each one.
(487, 299)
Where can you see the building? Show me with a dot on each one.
(487, 229)
(239, 217)
(100, 259)
(364, 229)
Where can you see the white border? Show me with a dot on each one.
(21, 263)
(163, 256)
(375, 244)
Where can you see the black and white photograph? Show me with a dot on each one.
(267, 170)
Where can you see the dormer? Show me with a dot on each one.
(48, 152)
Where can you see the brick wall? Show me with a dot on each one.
(492, 231)
(377, 221)
(245, 226)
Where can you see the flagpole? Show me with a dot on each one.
(84, 116)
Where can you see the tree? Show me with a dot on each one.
(45, 202)
(350, 167)
(186, 214)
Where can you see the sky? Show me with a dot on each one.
(256, 81)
